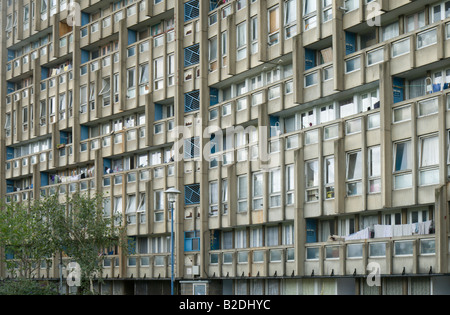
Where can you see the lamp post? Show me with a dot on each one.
(172, 194)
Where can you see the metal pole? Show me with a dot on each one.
(171, 250)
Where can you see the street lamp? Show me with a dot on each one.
(172, 194)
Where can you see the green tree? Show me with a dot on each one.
(46, 228)
(25, 234)
(83, 233)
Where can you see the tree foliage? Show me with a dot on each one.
(47, 228)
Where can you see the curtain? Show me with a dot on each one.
(213, 193)
(227, 240)
(118, 205)
(241, 239)
(131, 207)
(257, 185)
(429, 151)
(354, 167)
(275, 181)
(241, 287)
(274, 24)
(375, 162)
(308, 286)
(312, 179)
(403, 151)
(393, 286)
(242, 187)
(290, 11)
(224, 190)
(329, 171)
(309, 6)
(417, 88)
(272, 236)
(420, 286)
(241, 35)
(257, 287)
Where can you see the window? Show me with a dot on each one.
(131, 209)
(131, 83)
(117, 210)
(311, 79)
(290, 184)
(428, 107)
(241, 238)
(192, 148)
(402, 165)
(272, 236)
(191, 10)
(347, 107)
(401, 47)
(327, 113)
(241, 39)
(352, 64)
(440, 12)
(192, 194)
(390, 31)
(275, 188)
(403, 248)
(327, 9)
(426, 38)
(257, 180)
(369, 100)
(158, 205)
(290, 18)
(224, 49)
(144, 77)
(274, 25)
(254, 35)
(224, 196)
(212, 53)
(191, 101)
(330, 132)
(375, 56)
(213, 198)
(329, 177)
(242, 193)
(354, 173)
(256, 239)
(312, 180)
(377, 250)
(353, 126)
(192, 55)
(8, 125)
(309, 14)
(191, 241)
(374, 156)
(158, 73)
(351, 5)
(428, 160)
(402, 113)
(415, 21)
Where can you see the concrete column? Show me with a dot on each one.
(441, 230)
(338, 45)
(386, 100)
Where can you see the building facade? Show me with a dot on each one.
(309, 138)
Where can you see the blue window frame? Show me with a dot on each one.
(192, 194)
(192, 101)
(192, 148)
(192, 55)
(191, 10)
(191, 241)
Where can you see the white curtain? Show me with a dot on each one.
(309, 6)
(429, 151)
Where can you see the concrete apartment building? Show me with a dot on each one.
(347, 98)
